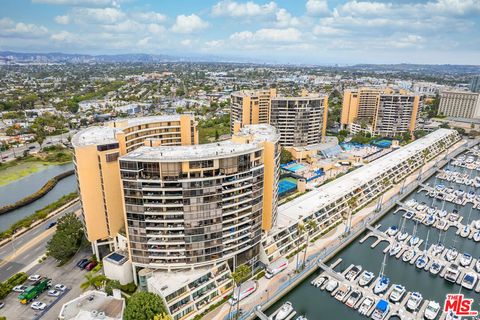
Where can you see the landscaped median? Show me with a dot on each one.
(37, 217)
(15, 280)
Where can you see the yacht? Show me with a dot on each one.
(429, 220)
(477, 265)
(442, 213)
(421, 261)
(366, 278)
(402, 235)
(284, 311)
(465, 231)
(435, 268)
(331, 285)
(353, 299)
(408, 255)
(366, 306)
(438, 248)
(414, 240)
(476, 224)
(381, 285)
(414, 301)
(432, 310)
(342, 292)
(476, 236)
(411, 203)
(392, 231)
(431, 210)
(453, 217)
(451, 254)
(397, 293)
(469, 280)
(451, 274)
(319, 281)
(353, 273)
(465, 260)
(381, 310)
(395, 248)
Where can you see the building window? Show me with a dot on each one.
(111, 157)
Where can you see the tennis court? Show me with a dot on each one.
(286, 185)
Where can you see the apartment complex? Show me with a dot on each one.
(460, 104)
(327, 204)
(475, 84)
(251, 107)
(380, 111)
(300, 121)
(96, 153)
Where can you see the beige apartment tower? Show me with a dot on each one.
(460, 104)
(96, 154)
(251, 107)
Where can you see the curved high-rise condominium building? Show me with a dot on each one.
(96, 153)
(199, 205)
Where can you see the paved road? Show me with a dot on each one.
(10, 154)
(27, 248)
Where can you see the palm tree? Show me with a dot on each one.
(239, 276)
(351, 204)
(92, 280)
(384, 184)
(310, 225)
(300, 231)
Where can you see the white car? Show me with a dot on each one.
(19, 288)
(60, 287)
(53, 293)
(37, 305)
(34, 277)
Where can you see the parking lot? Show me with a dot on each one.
(69, 275)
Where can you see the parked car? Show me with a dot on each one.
(52, 224)
(37, 305)
(81, 262)
(84, 264)
(60, 287)
(34, 277)
(91, 265)
(19, 288)
(53, 293)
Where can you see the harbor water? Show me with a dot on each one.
(315, 303)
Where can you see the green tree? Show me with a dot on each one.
(216, 135)
(285, 156)
(162, 316)
(93, 280)
(240, 275)
(310, 226)
(144, 306)
(351, 204)
(67, 238)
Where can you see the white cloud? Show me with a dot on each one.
(189, 24)
(62, 36)
(456, 7)
(285, 19)
(65, 19)
(186, 42)
(268, 35)
(317, 7)
(156, 29)
(150, 16)
(10, 28)
(97, 15)
(327, 31)
(126, 26)
(408, 41)
(365, 8)
(248, 9)
(79, 2)
(144, 42)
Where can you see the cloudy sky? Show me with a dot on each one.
(295, 31)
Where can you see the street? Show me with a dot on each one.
(25, 250)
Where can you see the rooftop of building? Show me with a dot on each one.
(314, 200)
(250, 92)
(97, 135)
(167, 283)
(259, 132)
(89, 305)
(310, 96)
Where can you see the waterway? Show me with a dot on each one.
(21, 188)
(317, 304)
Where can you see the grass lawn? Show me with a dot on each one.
(20, 170)
(207, 134)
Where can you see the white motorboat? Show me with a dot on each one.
(366, 305)
(395, 248)
(354, 297)
(476, 224)
(411, 203)
(342, 292)
(408, 255)
(438, 248)
(402, 235)
(381, 285)
(319, 281)
(366, 278)
(452, 272)
(476, 236)
(381, 310)
(440, 187)
(421, 261)
(429, 220)
(414, 301)
(414, 240)
(353, 273)
(469, 280)
(442, 213)
(465, 260)
(301, 318)
(431, 210)
(441, 224)
(284, 311)
(331, 285)
(465, 231)
(397, 293)
(477, 265)
(435, 268)
(432, 310)
(451, 254)
(392, 231)
(453, 217)
(408, 215)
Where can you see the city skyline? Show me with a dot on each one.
(308, 32)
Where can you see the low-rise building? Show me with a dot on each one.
(94, 305)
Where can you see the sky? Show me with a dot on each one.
(281, 31)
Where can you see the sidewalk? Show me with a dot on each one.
(268, 287)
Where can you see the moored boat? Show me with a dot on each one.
(414, 301)
(285, 310)
(366, 278)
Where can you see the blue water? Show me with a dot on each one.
(296, 167)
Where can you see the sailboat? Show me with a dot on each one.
(383, 281)
(402, 234)
(423, 259)
(414, 239)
